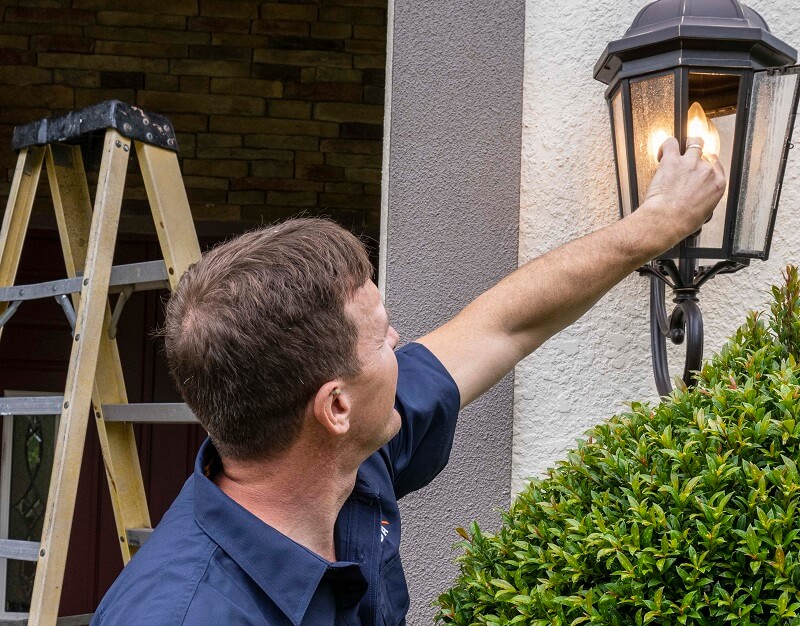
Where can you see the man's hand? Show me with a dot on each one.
(685, 190)
(505, 324)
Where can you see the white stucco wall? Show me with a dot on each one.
(586, 373)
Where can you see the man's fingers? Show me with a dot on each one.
(694, 146)
(714, 160)
(670, 147)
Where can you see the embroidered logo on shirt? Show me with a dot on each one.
(384, 530)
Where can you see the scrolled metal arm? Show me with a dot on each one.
(685, 323)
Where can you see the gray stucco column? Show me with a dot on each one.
(450, 231)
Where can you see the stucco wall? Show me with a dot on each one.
(586, 373)
(451, 187)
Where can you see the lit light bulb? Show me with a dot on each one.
(701, 126)
(712, 142)
(698, 122)
(657, 139)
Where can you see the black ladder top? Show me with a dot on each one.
(128, 120)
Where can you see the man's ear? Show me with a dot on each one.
(332, 407)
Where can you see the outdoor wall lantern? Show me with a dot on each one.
(708, 68)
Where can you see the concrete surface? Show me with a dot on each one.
(452, 163)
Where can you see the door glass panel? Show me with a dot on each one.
(653, 107)
(623, 175)
(26, 484)
(772, 107)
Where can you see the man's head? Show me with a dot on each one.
(259, 325)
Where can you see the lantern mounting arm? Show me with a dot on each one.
(686, 320)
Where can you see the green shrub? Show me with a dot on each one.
(686, 513)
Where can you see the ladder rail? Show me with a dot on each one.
(94, 376)
(18, 214)
(117, 441)
(171, 212)
(91, 307)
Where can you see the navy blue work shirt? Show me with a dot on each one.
(212, 562)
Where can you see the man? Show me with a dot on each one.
(280, 343)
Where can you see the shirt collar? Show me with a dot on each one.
(288, 572)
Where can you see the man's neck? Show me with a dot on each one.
(299, 494)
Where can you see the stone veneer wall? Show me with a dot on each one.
(278, 105)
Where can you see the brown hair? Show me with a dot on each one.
(258, 325)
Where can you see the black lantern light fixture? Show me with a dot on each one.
(710, 69)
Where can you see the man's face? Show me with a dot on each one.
(373, 389)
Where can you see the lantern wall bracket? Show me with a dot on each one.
(685, 323)
(680, 65)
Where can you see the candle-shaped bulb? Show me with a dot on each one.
(700, 126)
(657, 139)
(698, 122)
(712, 145)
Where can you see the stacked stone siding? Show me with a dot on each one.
(278, 105)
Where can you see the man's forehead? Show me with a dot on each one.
(367, 304)
(367, 296)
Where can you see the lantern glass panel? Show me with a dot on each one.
(769, 131)
(714, 120)
(653, 108)
(623, 175)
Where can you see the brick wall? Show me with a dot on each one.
(278, 105)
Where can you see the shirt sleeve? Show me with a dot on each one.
(428, 401)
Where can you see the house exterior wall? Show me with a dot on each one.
(450, 232)
(586, 373)
(278, 106)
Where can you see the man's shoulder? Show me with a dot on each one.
(428, 401)
(184, 576)
(158, 584)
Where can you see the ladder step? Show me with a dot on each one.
(17, 550)
(70, 620)
(137, 537)
(165, 413)
(75, 620)
(35, 405)
(140, 276)
(128, 120)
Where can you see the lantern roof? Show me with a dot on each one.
(656, 14)
(706, 33)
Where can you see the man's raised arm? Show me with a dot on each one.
(509, 321)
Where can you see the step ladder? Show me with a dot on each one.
(95, 384)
